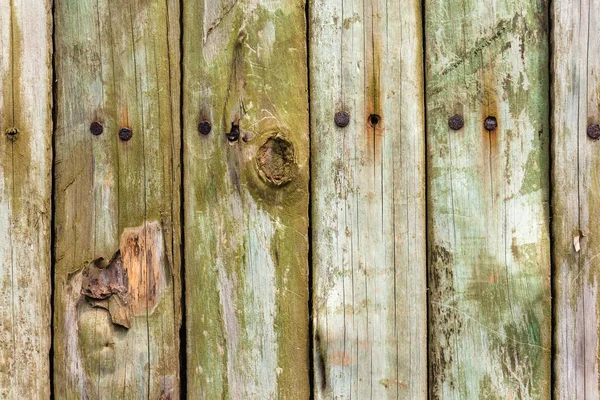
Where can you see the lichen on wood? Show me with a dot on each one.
(246, 199)
(488, 196)
(117, 198)
(25, 193)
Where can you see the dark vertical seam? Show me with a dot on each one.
(553, 301)
(425, 197)
(52, 197)
(311, 325)
(183, 320)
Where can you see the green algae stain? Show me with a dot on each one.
(533, 179)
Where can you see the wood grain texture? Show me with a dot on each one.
(117, 289)
(488, 192)
(368, 185)
(576, 186)
(246, 199)
(25, 189)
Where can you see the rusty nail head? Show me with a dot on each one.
(96, 128)
(234, 134)
(342, 119)
(490, 123)
(456, 122)
(12, 132)
(125, 133)
(593, 131)
(204, 127)
(374, 119)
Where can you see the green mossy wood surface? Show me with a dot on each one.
(576, 185)
(431, 272)
(117, 315)
(488, 199)
(368, 186)
(246, 199)
(25, 192)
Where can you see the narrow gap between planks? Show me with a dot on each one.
(549, 7)
(426, 169)
(311, 371)
(52, 201)
(183, 326)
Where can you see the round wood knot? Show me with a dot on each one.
(276, 161)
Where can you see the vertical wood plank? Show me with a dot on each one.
(117, 218)
(576, 186)
(368, 185)
(488, 191)
(25, 191)
(246, 199)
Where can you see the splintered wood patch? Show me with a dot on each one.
(143, 257)
(133, 280)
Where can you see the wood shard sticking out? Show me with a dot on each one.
(101, 280)
(105, 286)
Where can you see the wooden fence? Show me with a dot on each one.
(260, 199)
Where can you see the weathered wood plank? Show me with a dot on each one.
(246, 199)
(576, 189)
(488, 214)
(368, 182)
(25, 191)
(117, 308)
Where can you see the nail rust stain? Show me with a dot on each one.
(373, 88)
(489, 109)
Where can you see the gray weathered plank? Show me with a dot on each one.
(25, 187)
(117, 308)
(576, 189)
(368, 185)
(246, 199)
(488, 192)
